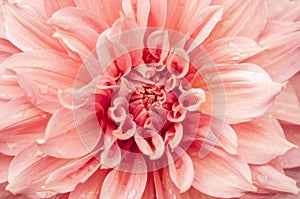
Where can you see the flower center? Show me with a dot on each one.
(143, 99)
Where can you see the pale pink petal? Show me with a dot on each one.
(210, 16)
(286, 106)
(282, 48)
(253, 14)
(193, 193)
(181, 169)
(158, 13)
(154, 186)
(210, 178)
(41, 74)
(178, 11)
(9, 87)
(75, 137)
(66, 178)
(103, 8)
(7, 49)
(52, 6)
(254, 138)
(241, 83)
(126, 185)
(232, 49)
(137, 10)
(26, 20)
(89, 189)
(267, 178)
(27, 172)
(284, 10)
(4, 164)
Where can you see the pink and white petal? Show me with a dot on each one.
(75, 137)
(232, 49)
(240, 83)
(254, 138)
(41, 74)
(51, 6)
(284, 10)
(27, 171)
(4, 164)
(280, 49)
(229, 175)
(268, 179)
(178, 11)
(71, 17)
(253, 13)
(89, 189)
(7, 49)
(125, 185)
(26, 20)
(66, 178)
(137, 10)
(181, 169)
(158, 13)
(193, 193)
(210, 16)
(9, 87)
(286, 106)
(103, 8)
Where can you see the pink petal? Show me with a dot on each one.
(27, 171)
(254, 138)
(284, 10)
(26, 20)
(154, 186)
(91, 188)
(9, 87)
(41, 74)
(286, 106)
(232, 49)
(241, 83)
(193, 193)
(75, 137)
(158, 13)
(103, 8)
(210, 16)
(253, 14)
(266, 177)
(178, 11)
(66, 178)
(137, 10)
(7, 49)
(281, 48)
(125, 185)
(170, 189)
(181, 169)
(229, 175)
(4, 164)
(52, 6)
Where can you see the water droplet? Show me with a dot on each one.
(29, 94)
(43, 115)
(45, 194)
(44, 88)
(37, 101)
(91, 167)
(132, 194)
(40, 154)
(11, 145)
(178, 163)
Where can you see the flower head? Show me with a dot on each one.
(149, 99)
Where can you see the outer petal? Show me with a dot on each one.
(126, 185)
(287, 104)
(103, 8)
(232, 49)
(9, 87)
(7, 49)
(27, 172)
(229, 175)
(243, 83)
(284, 10)
(52, 6)
(91, 188)
(281, 48)
(4, 164)
(41, 74)
(137, 10)
(170, 189)
(267, 177)
(255, 136)
(26, 20)
(253, 14)
(158, 13)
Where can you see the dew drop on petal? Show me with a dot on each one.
(132, 194)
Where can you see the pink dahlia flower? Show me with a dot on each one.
(144, 99)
